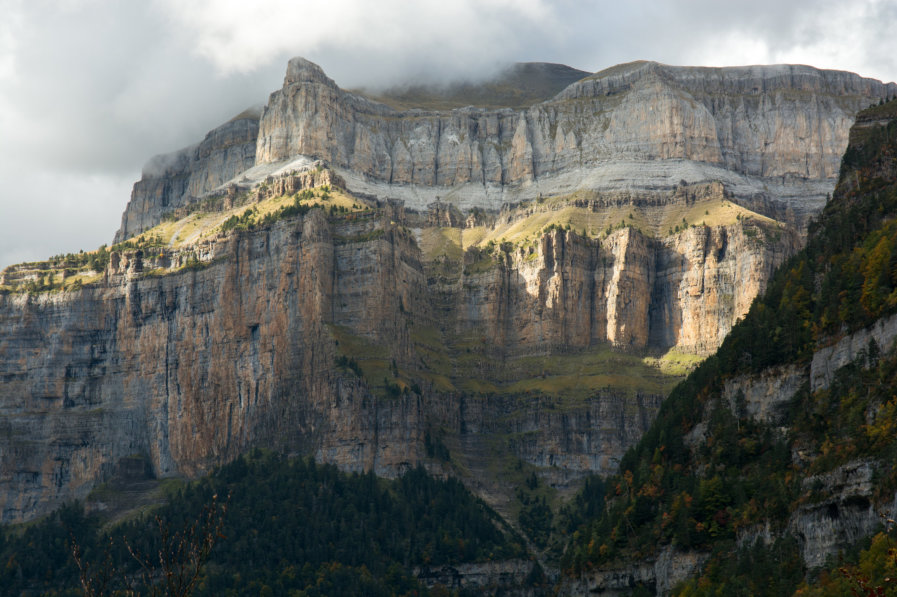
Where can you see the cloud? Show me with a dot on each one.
(89, 91)
(52, 212)
(361, 42)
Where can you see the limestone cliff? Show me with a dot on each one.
(629, 290)
(774, 461)
(192, 355)
(777, 130)
(773, 134)
(497, 279)
(176, 179)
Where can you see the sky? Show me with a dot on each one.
(91, 89)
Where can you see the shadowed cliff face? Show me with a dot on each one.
(354, 335)
(194, 366)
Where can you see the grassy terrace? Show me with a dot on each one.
(70, 271)
(452, 364)
(75, 270)
(531, 221)
(201, 226)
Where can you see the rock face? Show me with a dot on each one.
(176, 179)
(486, 577)
(659, 575)
(773, 134)
(191, 359)
(629, 290)
(765, 395)
(828, 360)
(842, 518)
(193, 366)
(781, 125)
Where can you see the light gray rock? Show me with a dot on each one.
(843, 517)
(827, 361)
(775, 126)
(659, 575)
(773, 135)
(504, 574)
(174, 180)
(765, 394)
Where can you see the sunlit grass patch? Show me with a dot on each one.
(675, 362)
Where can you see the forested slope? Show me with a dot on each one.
(291, 527)
(770, 494)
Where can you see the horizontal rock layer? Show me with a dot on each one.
(194, 366)
(761, 121)
(774, 134)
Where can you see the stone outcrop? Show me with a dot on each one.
(503, 575)
(639, 124)
(178, 179)
(843, 516)
(658, 575)
(765, 395)
(827, 360)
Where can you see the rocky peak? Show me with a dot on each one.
(748, 80)
(300, 70)
(777, 130)
(773, 135)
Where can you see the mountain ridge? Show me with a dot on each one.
(309, 307)
(500, 171)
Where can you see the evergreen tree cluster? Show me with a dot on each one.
(292, 527)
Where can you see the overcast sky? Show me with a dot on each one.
(91, 89)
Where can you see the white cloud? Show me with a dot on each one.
(9, 31)
(854, 36)
(366, 41)
(851, 36)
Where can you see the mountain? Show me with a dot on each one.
(505, 295)
(770, 470)
(518, 87)
(773, 134)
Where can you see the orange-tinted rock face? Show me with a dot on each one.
(631, 291)
(193, 367)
